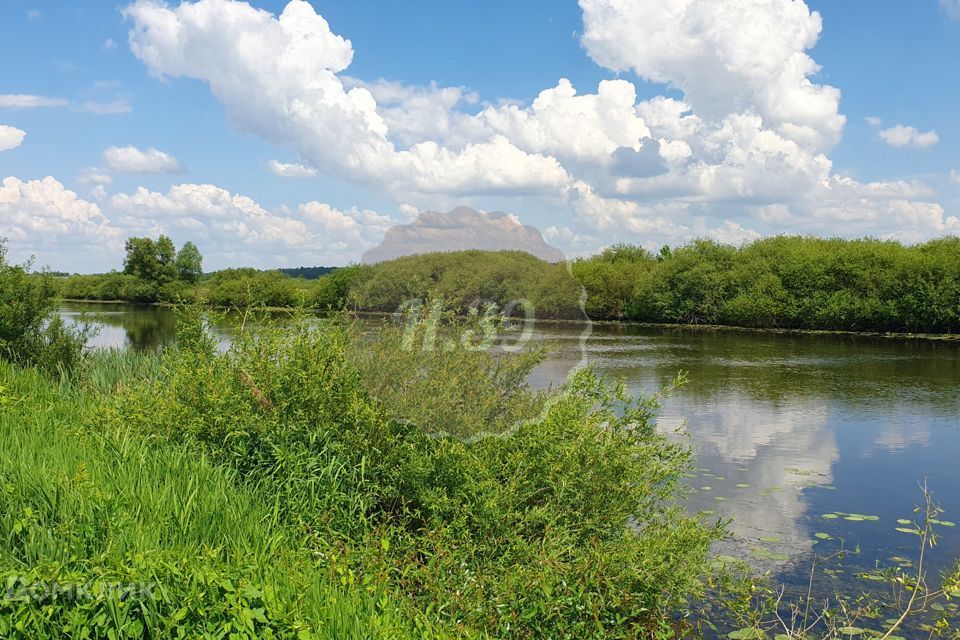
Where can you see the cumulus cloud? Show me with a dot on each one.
(277, 77)
(727, 57)
(10, 137)
(458, 230)
(45, 218)
(903, 136)
(561, 123)
(133, 160)
(230, 224)
(26, 101)
(290, 170)
(743, 150)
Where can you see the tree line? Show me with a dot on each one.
(779, 282)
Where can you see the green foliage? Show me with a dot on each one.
(332, 290)
(610, 279)
(243, 288)
(151, 260)
(105, 533)
(427, 371)
(566, 528)
(472, 278)
(30, 332)
(791, 282)
(189, 263)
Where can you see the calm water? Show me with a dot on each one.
(786, 427)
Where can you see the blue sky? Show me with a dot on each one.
(434, 108)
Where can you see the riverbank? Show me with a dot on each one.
(935, 337)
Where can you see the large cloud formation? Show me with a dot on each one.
(277, 77)
(43, 217)
(744, 151)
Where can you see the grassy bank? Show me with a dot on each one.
(275, 491)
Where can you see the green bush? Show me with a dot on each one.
(31, 333)
(465, 279)
(566, 528)
(243, 288)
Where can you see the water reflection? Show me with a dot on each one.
(786, 427)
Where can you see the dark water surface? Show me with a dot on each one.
(786, 428)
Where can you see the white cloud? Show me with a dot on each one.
(902, 136)
(109, 44)
(34, 14)
(955, 176)
(586, 128)
(26, 101)
(10, 137)
(952, 8)
(281, 83)
(291, 170)
(117, 106)
(133, 160)
(95, 176)
(874, 121)
(229, 224)
(42, 217)
(726, 56)
(742, 152)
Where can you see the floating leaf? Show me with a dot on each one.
(770, 539)
(707, 488)
(742, 485)
(747, 633)
(904, 521)
(830, 516)
(852, 631)
(823, 536)
(853, 518)
(944, 523)
(905, 530)
(720, 498)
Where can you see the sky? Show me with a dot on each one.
(277, 133)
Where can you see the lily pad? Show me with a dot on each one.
(830, 516)
(904, 521)
(742, 485)
(823, 536)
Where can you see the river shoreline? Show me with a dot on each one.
(950, 338)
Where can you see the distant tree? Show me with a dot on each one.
(189, 263)
(151, 260)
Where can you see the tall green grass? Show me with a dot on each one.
(86, 502)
